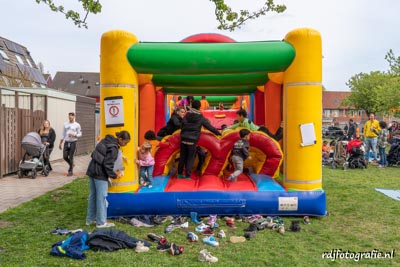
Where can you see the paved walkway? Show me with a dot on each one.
(15, 191)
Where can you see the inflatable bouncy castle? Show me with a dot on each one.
(282, 83)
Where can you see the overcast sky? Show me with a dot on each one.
(356, 34)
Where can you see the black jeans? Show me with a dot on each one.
(68, 153)
(188, 153)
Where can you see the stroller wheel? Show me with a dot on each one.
(46, 170)
(34, 173)
(19, 173)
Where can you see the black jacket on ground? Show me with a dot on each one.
(174, 123)
(111, 239)
(191, 126)
(103, 158)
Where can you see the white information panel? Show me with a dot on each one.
(114, 111)
(308, 134)
(288, 203)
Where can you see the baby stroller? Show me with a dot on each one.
(34, 157)
(355, 150)
(340, 155)
(393, 157)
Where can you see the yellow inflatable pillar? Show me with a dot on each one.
(119, 96)
(302, 99)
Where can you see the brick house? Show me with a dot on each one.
(333, 113)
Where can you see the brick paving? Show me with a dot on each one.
(15, 191)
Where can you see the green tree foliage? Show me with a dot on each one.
(394, 63)
(89, 6)
(367, 92)
(228, 19)
(376, 92)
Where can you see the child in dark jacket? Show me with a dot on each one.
(190, 135)
(240, 153)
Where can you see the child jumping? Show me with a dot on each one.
(240, 153)
(146, 163)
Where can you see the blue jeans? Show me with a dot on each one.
(97, 202)
(382, 154)
(370, 143)
(149, 170)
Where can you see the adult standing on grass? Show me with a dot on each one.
(70, 134)
(371, 128)
(100, 169)
(382, 143)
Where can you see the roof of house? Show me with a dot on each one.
(333, 99)
(79, 83)
(17, 68)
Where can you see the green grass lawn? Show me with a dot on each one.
(360, 219)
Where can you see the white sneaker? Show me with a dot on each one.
(206, 256)
(140, 247)
(106, 225)
(221, 234)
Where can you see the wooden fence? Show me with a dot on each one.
(20, 113)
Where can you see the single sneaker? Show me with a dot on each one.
(254, 218)
(212, 219)
(210, 240)
(206, 256)
(281, 229)
(221, 234)
(157, 238)
(69, 173)
(230, 223)
(306, 220)
(171, 228)
(140, 247)
(176, 250)
(106, 225)
(192, 237)
(149, 186)
(249, 235)
(295, 226)
(164, 247)
(60, 231)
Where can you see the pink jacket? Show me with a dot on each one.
(145, 159)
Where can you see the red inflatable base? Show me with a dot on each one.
(210, 183)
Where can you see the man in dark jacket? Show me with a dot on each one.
(101, 167)
(174, 123)
(190, 135)
(352, 130)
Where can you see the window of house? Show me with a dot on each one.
(335, 113)
(327, 112)
(72, 82)
(19, 58)
(4, 55)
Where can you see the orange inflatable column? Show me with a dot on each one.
(147, 106)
